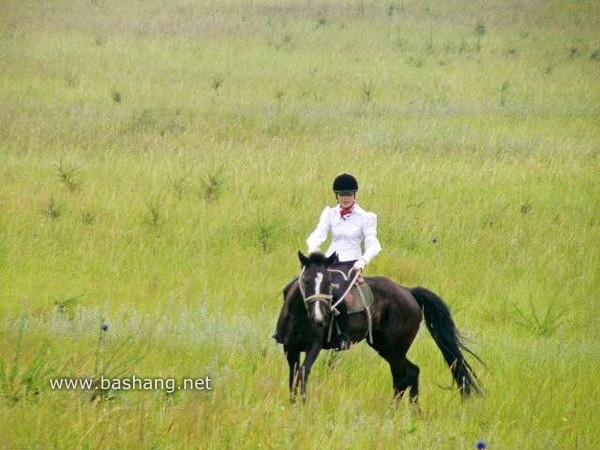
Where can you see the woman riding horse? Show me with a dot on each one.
(307, 313)
(351, 228)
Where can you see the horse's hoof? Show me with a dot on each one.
(344, 344)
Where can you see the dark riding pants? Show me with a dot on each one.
(341, 270)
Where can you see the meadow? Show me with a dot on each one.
(161, 164)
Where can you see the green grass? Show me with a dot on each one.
(162, 163)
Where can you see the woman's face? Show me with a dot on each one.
(346, 200)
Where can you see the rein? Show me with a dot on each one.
(327, 297)
(362, 296)
(347, 290)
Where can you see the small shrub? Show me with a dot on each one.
(504, 93)
(53, 209)
(179, 185)
(99, 40)
(24, 379)
(211, 188)
(526, 207)
(367, 91)
(395, 9)
(543, 324)
(67, 306)
(574, 51)
(116, 96)
(479, 29)
(89, 218)
(415, 61)
(25, 375)
(114, 364)
(216, 83)
(321, 22)
(68, 175)
(154, 212)
(265, 236)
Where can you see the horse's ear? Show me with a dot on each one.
(332, 259)
(303, 259)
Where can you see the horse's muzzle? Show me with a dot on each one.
(318, 307)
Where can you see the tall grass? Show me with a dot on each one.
(161, 164)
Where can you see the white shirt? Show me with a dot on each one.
(360, 227)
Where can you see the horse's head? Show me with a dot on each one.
(315, 285)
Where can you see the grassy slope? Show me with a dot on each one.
(162, 164)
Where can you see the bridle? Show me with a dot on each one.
(326, 298)
(317, 297)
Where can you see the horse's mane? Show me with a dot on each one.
(317, 258)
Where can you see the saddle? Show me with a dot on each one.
(359, 299)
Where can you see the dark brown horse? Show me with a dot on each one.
(306, 316)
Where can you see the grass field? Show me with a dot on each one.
(163, 162)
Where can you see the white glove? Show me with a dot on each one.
(359, 265)
(314, 250)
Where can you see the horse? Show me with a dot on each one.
(306, 324)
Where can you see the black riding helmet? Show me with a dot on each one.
(345, 183)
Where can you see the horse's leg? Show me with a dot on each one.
(311, 357)
(282, 321)
(293, 358)
(405, 375)
(412, 378)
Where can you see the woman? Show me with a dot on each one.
(353, 237)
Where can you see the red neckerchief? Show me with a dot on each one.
(345, 212)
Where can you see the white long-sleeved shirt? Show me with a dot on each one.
(349, 235)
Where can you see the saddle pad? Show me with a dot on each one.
(355, 301)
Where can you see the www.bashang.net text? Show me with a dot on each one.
(132, 383)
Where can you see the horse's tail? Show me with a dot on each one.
(447, 337)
